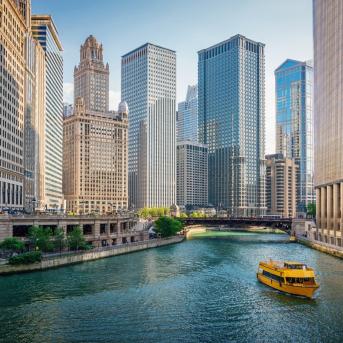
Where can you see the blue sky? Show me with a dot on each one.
(187, 26)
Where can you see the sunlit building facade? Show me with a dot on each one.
(328, 119)
(187, 117)
(95, 160)
(148, 86)
(45, 32)
(231, 88)
(13, 31)
(91, 77)
(294, 124)
(281, 181)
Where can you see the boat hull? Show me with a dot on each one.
(304, 291)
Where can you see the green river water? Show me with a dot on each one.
(201, 290)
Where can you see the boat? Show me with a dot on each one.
(292, 239)
(289, 277)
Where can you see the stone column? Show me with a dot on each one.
(329, 209)
(323, 208)
(335, 199)
(341, 214)
(318, 211)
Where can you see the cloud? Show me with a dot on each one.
(68, 92)
(114, 100)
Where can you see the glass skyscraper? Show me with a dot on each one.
(294, 127)
(45, 32)
(231, 87)
(187, 116)
(148, 86)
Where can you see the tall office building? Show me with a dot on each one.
(191, 174)
(294, 126)
(91, 77)
(149, 87)
(45, 32)
(328, 119)
(281, 180)
(187, 117)
(68, 109)
(95, 160)
(231, 82)
(13, 33)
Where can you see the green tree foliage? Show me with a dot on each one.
(12, 245)
(59, 239)
(26, 258)
(41, 238)
(183, 215)
(311, 209)
(76, 240)
(196, 214)
(166, 226)
(153, 212)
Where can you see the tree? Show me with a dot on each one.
(12, 245)
(144, 213)
(311, 209)
(40, 238)
(59, 239)
(76, 240)
(183, 215)
(166, 226)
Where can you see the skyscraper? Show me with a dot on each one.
(191, 174)
(231, 78)
(294, 126)
(95, 160)
(94, 141)
(13, 33)
(281, 180)
(148, 85)
(45, 32)
(187, 116)
(328, 119)
(91, 77)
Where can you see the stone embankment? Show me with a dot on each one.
(321, 246)
(79, 257)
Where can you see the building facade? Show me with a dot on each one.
(68, 109)
(95, 160)
(328, 119)
(149, 87)
(281, 180)
(45, 32)
(13, 34)
(187, 117)
(231, 88)
(91, 77)
(191, 174)
(294, 125)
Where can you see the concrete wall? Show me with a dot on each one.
(90, 255)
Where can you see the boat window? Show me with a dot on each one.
(295, 266)
(307, 280)
(273, 276)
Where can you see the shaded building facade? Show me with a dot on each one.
(191, 174)
(231, 88)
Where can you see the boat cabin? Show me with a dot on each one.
(295, 265)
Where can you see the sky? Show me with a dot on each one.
(186, 26)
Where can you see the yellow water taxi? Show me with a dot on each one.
(289, 277)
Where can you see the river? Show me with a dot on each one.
(202, 290)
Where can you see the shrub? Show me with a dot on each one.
(26, 258)
(167, 226)
(12, 244)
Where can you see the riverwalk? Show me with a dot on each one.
(59, 260)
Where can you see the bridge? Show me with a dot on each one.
(284, 224)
